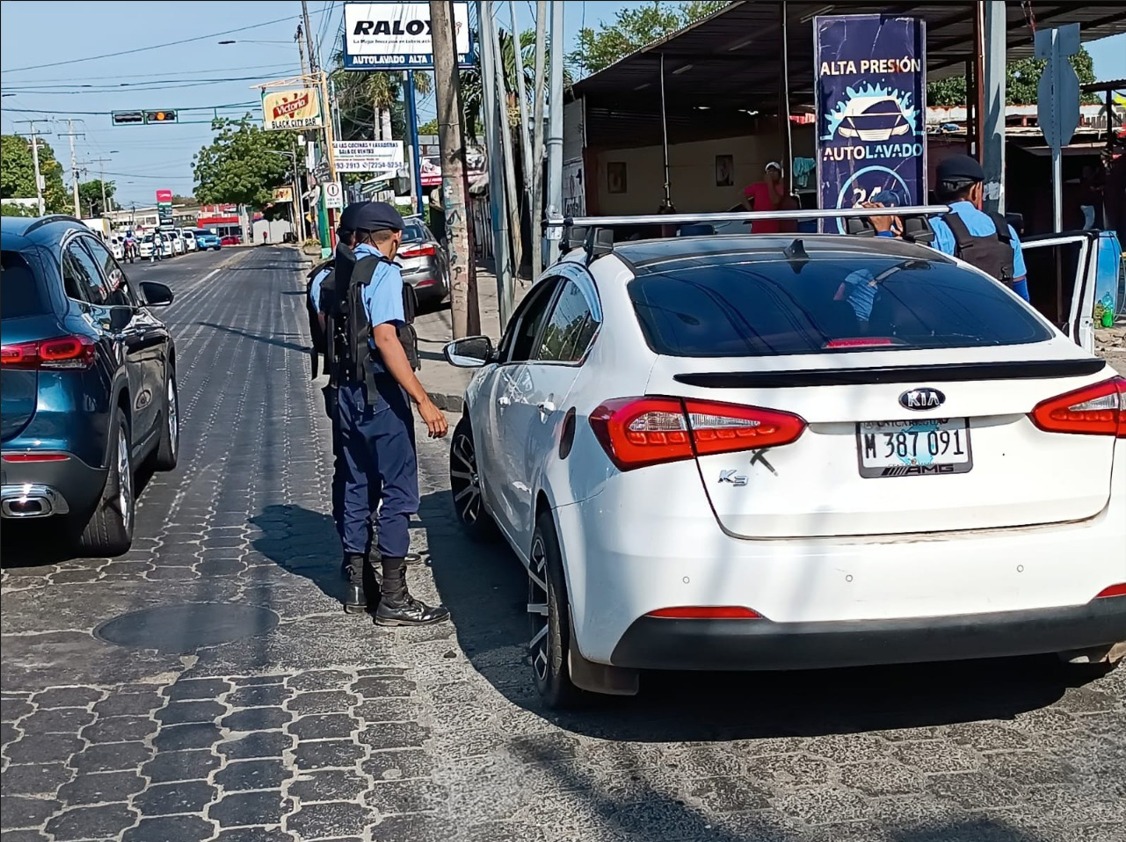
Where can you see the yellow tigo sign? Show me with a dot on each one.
(300, 109)
(283, 194)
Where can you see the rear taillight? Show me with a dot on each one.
(636, 432)
(1098, 410)
(418, 251)
(63, 352)
(36, 456)
(1113, 590)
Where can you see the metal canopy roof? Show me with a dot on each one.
(729, 64)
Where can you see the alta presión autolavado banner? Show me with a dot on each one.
(871, 110)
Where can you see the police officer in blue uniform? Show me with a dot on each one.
(376, 420)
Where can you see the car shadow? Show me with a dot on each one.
(268, 340)
(39, 543)
(487, 595)
(302, 542)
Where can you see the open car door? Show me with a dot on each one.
(1070, 276)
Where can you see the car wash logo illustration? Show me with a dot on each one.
(873, 114)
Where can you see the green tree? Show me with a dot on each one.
(90, 197)
(1022, 80)
(430, 127)
(633, 29)
(17, 174)
(240, 165)
(17, 210)
(360, 95)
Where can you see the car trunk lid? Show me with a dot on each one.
(900, 442)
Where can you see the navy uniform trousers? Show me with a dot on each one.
(378, 446)
(338, 467)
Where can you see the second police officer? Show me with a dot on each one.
(376, 423)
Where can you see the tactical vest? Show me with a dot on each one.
(992, 254)
(360, 330)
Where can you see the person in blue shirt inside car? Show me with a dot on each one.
(983, 240)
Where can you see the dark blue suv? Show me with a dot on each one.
(87, 382)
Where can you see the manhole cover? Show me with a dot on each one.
(184, 628)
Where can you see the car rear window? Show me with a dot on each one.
(745, 308)
(21, 293)
(413, 233)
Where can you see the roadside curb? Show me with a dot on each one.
(447, 402)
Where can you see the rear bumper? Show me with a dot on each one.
(427, 281)
(45, 489)
(652, 643)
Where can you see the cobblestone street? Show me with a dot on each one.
(316, 725)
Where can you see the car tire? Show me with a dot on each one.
(550, 615)
(109, 531)
(168, 448)
(465, 486)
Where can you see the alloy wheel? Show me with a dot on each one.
(124, 481)
(173, 410)
(540, 644)
(464, 480)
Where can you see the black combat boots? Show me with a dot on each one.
(397, 607)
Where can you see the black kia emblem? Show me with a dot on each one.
(922, 399)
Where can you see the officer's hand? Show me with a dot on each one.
(433, 418)
(881, 223)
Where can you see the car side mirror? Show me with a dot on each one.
(156, 294)
(470, 352)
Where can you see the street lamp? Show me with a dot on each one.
(296, 208)
(225, 43)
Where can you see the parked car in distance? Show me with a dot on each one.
(205, 240)
(425, 265)
(756, 452)
(230, 240)
(88, 380)
(188, 236)
(116, 244)
(174, 243)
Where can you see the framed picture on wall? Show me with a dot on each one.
(724, 170)
(616, 177)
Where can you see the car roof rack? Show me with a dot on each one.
(595, 234)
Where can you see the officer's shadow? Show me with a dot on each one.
(302, 542)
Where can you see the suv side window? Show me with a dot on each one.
(570, 328)
(119, 293)
(519, 343)
(82, 276)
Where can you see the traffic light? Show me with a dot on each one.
(128, 118)
(160, 116)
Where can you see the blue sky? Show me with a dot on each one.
(197, 74)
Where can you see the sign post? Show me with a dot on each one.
(871, 110)
(1057, 107)
(164, 209)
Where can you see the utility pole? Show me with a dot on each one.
(525, 137)
(101, 180)
(537, 141)
(299, 38)
(446, 81)
(555, 128)
(326, 105)
(70, 133)
(494, 130)
(507, 299)
(993, 118)
(34, 135)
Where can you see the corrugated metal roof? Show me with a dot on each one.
(725, 65)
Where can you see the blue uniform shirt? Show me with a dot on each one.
(315, 289)
(980, 224)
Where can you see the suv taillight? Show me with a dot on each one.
(60, 353)
(636, 432)
(1098, 410)
(424, 250)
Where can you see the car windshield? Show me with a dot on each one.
(20, 292)
(204, 234)
(413, 232)
(739, 307)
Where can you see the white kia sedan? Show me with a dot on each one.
(760, 453)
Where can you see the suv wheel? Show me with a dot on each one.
(109, 532)
(168, 449)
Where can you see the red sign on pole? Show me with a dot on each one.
(163, 196)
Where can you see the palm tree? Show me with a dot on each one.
(363, 97)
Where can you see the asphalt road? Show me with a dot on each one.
(309, 724)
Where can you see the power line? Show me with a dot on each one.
(136, 50)
(252, 104)
(273, 66)
(157, 85)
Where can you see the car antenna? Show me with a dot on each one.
(796, 254)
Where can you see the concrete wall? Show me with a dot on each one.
(692, 173)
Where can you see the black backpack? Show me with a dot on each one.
(992, 254)
(320, 341)
(360, 331)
